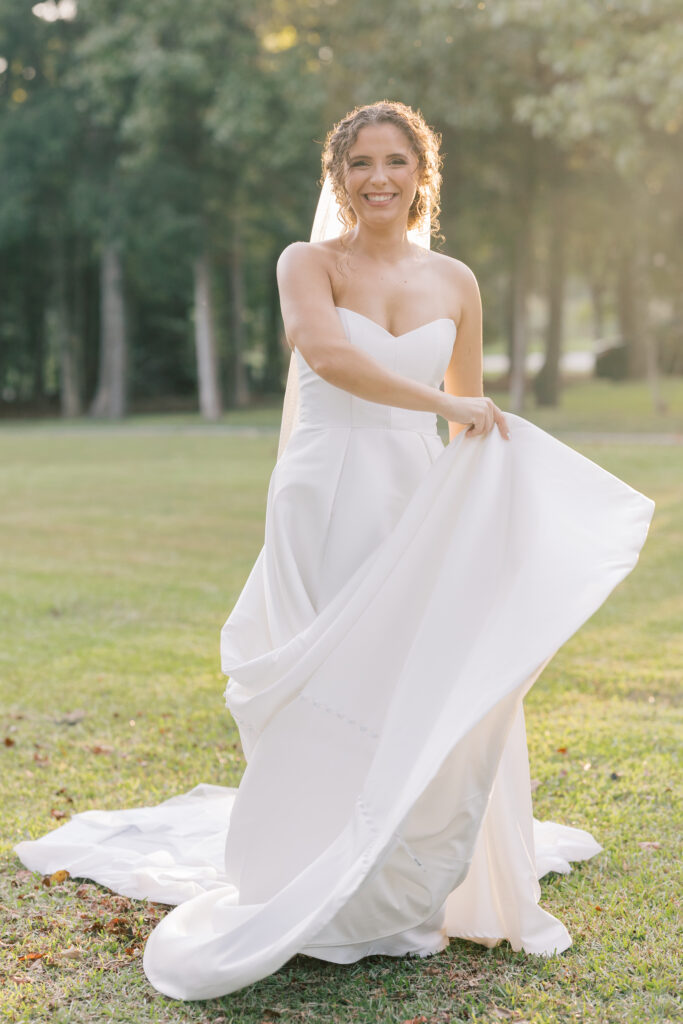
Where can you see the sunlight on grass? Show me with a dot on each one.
(123, 555)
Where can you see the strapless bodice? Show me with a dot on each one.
(422, 354)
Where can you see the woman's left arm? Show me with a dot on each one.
(464, 375)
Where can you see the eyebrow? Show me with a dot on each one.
(363, 156)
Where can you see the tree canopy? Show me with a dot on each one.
(156, 158)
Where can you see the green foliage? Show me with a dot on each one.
(174, 126)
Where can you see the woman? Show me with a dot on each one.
(406, 597)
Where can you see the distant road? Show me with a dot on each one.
(578, 363)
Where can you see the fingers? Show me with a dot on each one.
(490, 417)
(502, 424)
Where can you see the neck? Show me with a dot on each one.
(385, 245)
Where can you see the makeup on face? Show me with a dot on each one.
(381, 168)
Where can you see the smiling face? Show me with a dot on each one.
(382, 175)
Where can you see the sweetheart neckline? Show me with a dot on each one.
(405, 334)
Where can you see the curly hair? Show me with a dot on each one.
(423, 140)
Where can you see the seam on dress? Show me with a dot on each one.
(340, 715)
(409, 850)
(365, 814)
(333, 502)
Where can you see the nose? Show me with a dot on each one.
(379, 175)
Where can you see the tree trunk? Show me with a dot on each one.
(67, 340)
(597, 293)
(634, 301)
(547, 381)
(521, 275)
(208, 377)
(110, 398)
(643, 354)
(275, 351)
(240, 387)
(520, 291)
(35, 315)
(627, 311)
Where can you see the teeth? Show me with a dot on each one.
(379, 197)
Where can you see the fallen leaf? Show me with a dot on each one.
(71, 717)
(71, 953)
(57, 814)
(31, 956)
(562, 750)
(9, 742)
(59, 876)
(649, 846)
(100, 748)
(118, 926)
(40, 758)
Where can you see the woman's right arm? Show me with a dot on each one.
(312, 325)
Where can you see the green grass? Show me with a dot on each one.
(610, 406)
(122, 555)
(591, 406)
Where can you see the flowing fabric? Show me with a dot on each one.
(407, 595)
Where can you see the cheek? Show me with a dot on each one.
(410, 178)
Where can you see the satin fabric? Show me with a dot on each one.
(407, 595)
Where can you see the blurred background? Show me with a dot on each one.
(157, 156)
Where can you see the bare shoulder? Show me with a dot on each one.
(296, 255)
(458, 285)
(306, 254)
(302, 273)
(455, 272)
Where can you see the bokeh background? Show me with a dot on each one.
(156, 157)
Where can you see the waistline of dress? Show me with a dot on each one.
(390, 427)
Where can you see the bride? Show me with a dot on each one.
(407, 595)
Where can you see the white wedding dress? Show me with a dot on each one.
(407, 595)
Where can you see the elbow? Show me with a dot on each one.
(327, 362)
(321, 364)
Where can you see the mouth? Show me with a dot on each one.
(379, 198)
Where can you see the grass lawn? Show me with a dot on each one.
(123, 553)
(585, 405)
